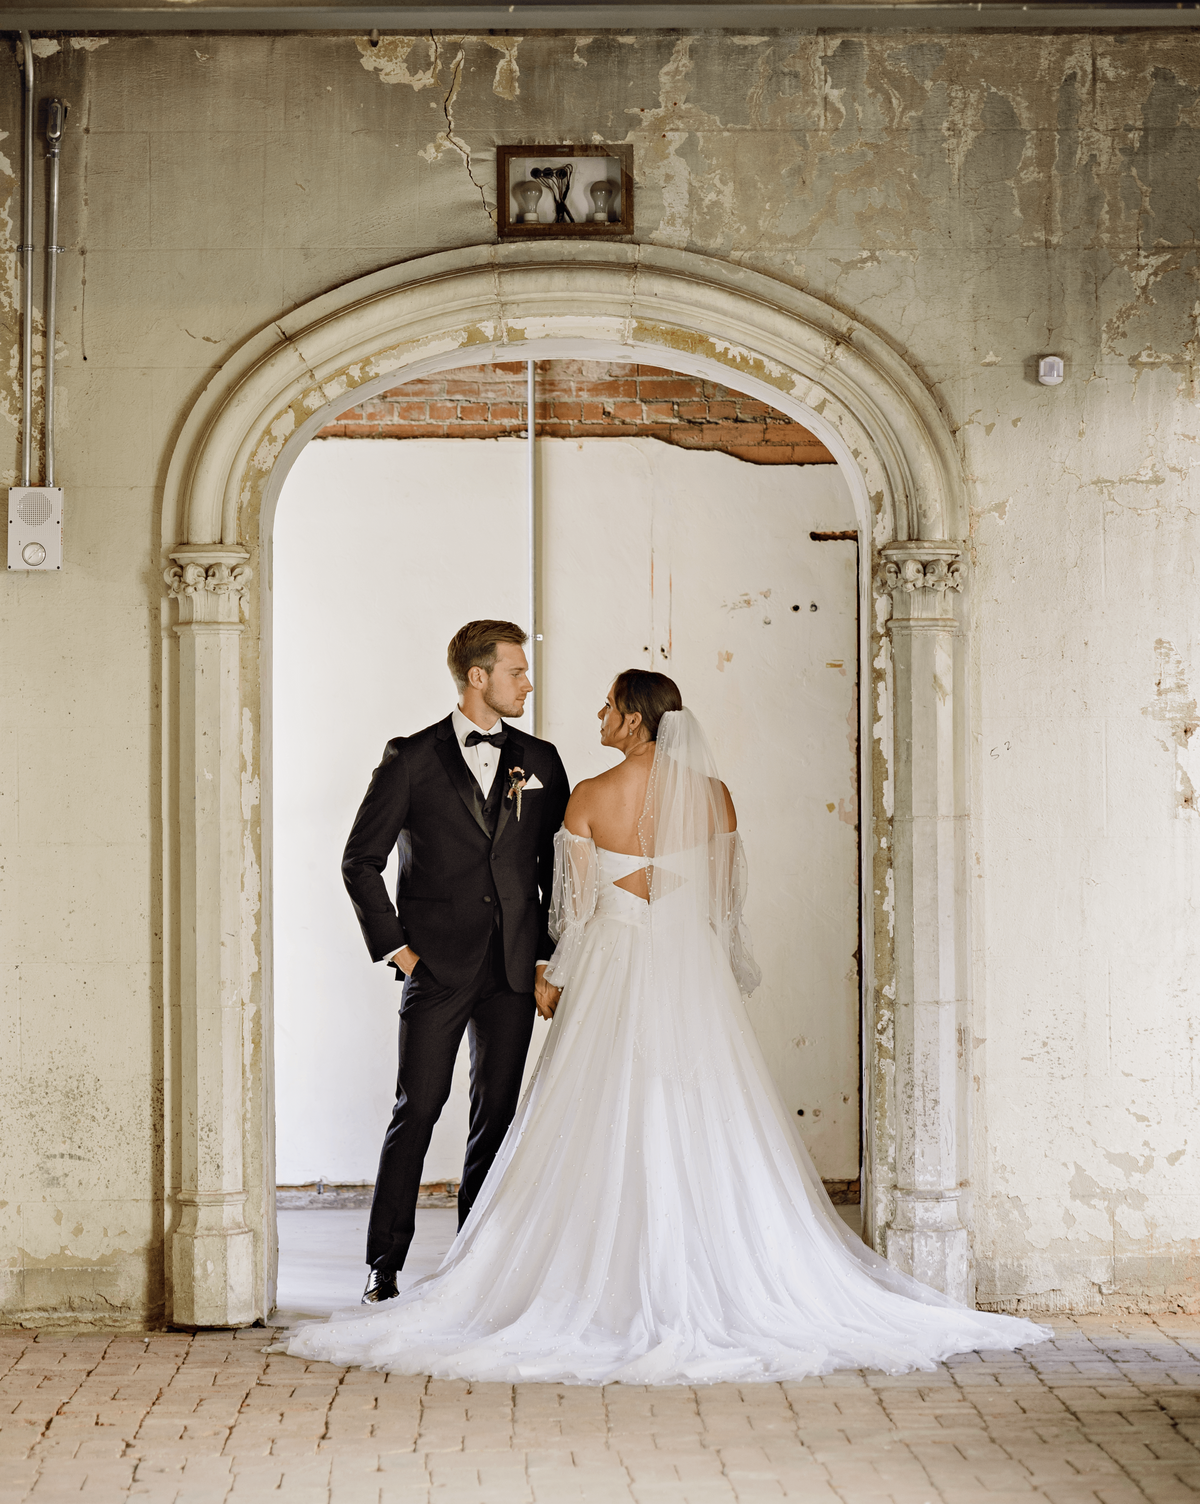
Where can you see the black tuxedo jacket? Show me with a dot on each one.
(452, 871)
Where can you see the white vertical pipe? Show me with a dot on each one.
(27, 272)
(535, 652)
(54, 130)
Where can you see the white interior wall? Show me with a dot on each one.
(428, 546)
(652, 555)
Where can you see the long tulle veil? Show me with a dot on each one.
(697, 882)
(696, 865)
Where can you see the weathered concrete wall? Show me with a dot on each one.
(977, 200)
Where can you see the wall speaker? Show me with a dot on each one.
(35, 527)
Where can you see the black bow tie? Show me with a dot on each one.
(497, 738)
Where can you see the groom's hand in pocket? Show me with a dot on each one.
(545, 996)
(406, 959)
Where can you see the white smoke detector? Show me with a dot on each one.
(35, 527)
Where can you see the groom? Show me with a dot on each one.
(473, 805)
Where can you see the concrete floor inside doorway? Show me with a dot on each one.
(1107, 1413)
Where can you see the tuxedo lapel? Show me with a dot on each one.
(512, 755)
(452, 760)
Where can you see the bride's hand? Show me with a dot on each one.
(545, 996)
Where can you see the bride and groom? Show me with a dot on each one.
(646, 1213)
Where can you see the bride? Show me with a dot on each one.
(652, 1216)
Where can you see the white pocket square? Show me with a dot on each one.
(533, 783)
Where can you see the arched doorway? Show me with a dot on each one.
(668, 533)
(701, 317)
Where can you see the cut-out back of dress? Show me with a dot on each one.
(641, 875)
(637, 880)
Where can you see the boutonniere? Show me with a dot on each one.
(516, 782)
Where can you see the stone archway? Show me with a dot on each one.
(667, 308)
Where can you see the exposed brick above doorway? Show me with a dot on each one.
(584, 399)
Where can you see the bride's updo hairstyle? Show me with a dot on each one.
(650, 695)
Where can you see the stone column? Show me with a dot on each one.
(212, 1251)
(927, 1233)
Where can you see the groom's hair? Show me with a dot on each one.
(652, 694)
(474, 646)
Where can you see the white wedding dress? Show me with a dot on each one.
(652, 1216)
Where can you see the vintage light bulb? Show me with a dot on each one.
(528, 195)
(602, 196)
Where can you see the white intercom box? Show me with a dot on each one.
(35, 527)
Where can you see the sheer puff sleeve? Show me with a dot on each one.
(573, 901)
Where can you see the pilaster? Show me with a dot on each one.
(927, 1234)
(212, 1249)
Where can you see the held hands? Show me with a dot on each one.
(545, 995)
(406, 959)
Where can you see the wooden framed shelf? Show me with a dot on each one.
(587, 165)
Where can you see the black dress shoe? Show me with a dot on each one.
(381, 1285)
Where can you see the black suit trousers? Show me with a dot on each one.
(499, 1024)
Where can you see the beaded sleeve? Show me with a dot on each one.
(573, 901)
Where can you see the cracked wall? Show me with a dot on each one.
(976, 201)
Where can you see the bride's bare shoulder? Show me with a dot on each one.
(592, 798)
(580, 806)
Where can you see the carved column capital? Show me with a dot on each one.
(917, 565)
(920, 576)
(209, 584)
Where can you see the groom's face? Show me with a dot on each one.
(508, 683)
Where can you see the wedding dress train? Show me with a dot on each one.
(652, 1216)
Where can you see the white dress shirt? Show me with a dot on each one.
(482, 759)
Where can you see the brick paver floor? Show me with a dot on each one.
(1106, 1414)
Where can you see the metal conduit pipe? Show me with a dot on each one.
(27, 271)
(55, 119)
(534, 637)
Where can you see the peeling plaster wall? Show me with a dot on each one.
(977, 200)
